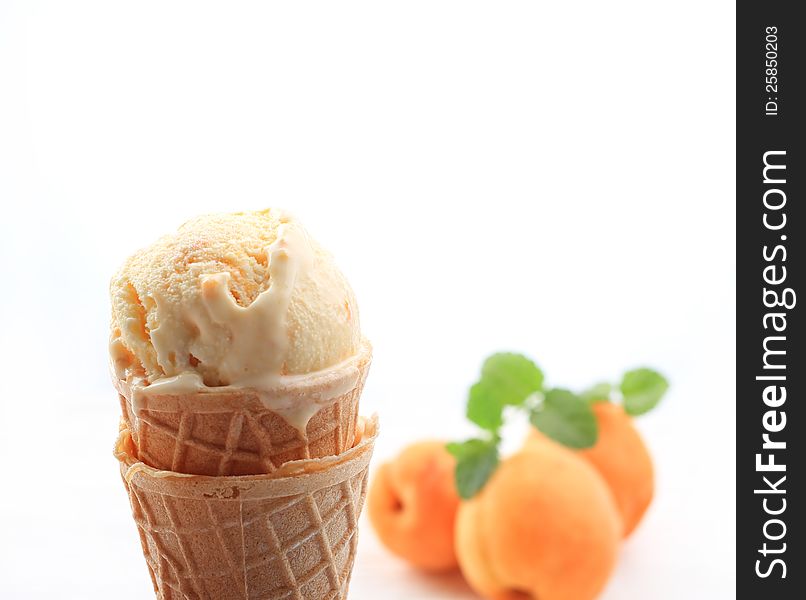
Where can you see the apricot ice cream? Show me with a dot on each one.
(232, 299)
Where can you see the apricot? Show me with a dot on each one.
(622, 458)
(545, 527)
(412, 505)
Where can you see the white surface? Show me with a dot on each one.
(553, 178)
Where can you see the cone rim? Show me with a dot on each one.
(292, 478)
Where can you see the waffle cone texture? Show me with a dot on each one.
(233, 432)
(288, 534)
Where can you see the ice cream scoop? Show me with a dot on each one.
(237, 300)
(236, 347)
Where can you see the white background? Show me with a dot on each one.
(555, 178)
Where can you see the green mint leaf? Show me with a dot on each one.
(511, 377)
(642, 389)
(598, 393)
(566, 418)
(476, 460)
(484, 407)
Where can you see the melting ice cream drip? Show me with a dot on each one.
(258, 342)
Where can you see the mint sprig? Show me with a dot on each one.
(641, 390)
(566, 418)
(513, 381)
(476, 460)
(511, 378)
(484, 407)
(507, 379)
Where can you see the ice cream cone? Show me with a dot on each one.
(288, 534)
(240, 431)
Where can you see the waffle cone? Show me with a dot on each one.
(220, 431)
(290, 534)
